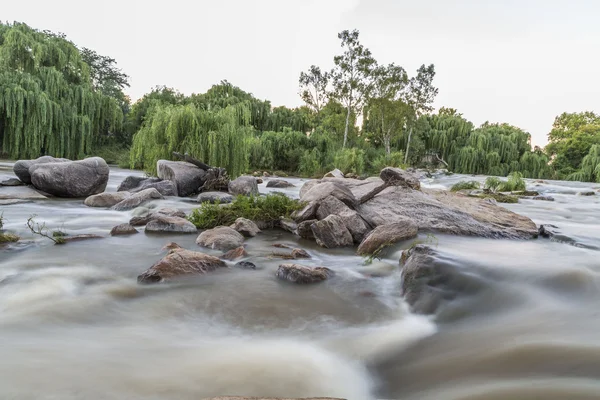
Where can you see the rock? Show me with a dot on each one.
(78, 238)
(186, 176)
(245, 227)
(385, 235)
(140, 220)
(259, 181)
(137, 199)
(305, 230)
(353, 222)
(220, 238)
(10, 202)
(170, 212)
(587, 193)
(21, 167)
(71, 178)
(288, 225)
(300, 253)
(264, 225)
(270, 398)
(336, 173)
(543, 198)
(244, 185)
(214, 197)
(178, 263)
(123, 229)
(234, 254)
(279, 183)
(20, 193)
(11, 182)
(322, 190)
(331, 232)
(245, 265)
(308, 212)
(131, 182)
(351, 176)
(301, 274)
(399, 177)
(166, 188)
(266, 174)
(166, 224)
(429, 281)
(106, 199)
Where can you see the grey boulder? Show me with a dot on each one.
(106, 199)
(21, 167)
(244, 185)
(301, 274)
(186, 176)
(123, 229)
(279, 183)
(332, 232)
(161, 223)
(71, 178)
(220, 238)
(137, 199)
(385, 235)
(215, 197)
(245, 227)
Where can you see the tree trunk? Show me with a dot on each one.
(346, 129)
(186, 157)
(386, 142)
(442, 160)
(408, 145)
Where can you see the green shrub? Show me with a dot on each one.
(464, 185)
(8, 238)
(514, 183)
(395, 159)
(267, 208)
(114, 154)
(350, 161)
(492, 184)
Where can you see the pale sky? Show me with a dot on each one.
(516, 61)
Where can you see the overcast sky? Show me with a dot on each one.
(516, 61)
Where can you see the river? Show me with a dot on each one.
(74, 323)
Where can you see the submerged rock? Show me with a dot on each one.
(385, 235)
(180, 262)
(332, 232)
(587, 193)
(106, 199)
(186, 176)
(302, 274)
(245, 265)
(21, 167)
(137, 199)
(244, 185)
(300, 253)
(220, 238)
(234, 254)
(160, 223)
(11, 182)
(279, 183)
(214, 197)
(246, 227)
(169, 211)
(123, 229)
(78, 238)
(71, 178)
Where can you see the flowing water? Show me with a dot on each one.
(74, 324)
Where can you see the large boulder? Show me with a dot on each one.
(71, 178)
(220, 238)
(187, 177)
(21, 167)
(385, 235)
(161, 223)
(215, 197)
(399, 177)
(322, 190)
(245, 227)
(132, 182)
(352, 220)
(164, 187)
(106, 199)
(305, 230)
(244, 185)
(301, 274)
(331, 232)
(178, 263)
(137, 199)
(279, 183)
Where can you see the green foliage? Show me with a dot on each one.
(514, 183)
(350, 161)
(492, 184)
(49, 104)
(395, 159)
(499, 197)
(268, 208)
(464, 185)
(57, 236)
(113, 153)
(8, 238)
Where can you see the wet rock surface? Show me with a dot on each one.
(220, 238)
(71, 178)
(301, 274)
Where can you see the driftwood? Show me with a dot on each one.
(187, 158)
(216, 179)
(441, 160)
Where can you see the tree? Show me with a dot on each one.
(350, 75)
(49, 104)
(106, 77)
(420, 96)
(313, 87)
(386, 112)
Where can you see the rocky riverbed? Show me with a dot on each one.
(497, 314)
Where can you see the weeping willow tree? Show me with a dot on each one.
(590, 167)
(492, 149)
(216, 136)
(47, 102)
